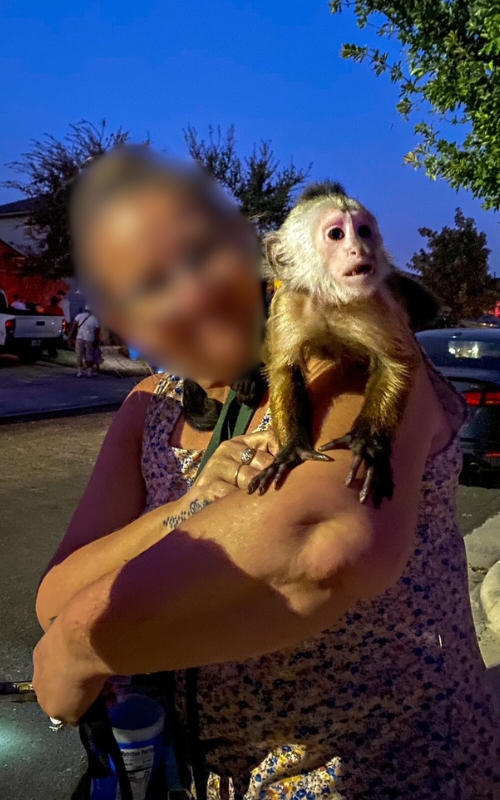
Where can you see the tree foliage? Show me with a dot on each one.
(450, 67)
(47, 169)
(264, 190)
(455, 267)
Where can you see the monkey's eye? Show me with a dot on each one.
(364, 231)
(336, 234)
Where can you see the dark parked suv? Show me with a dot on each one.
(470, 359)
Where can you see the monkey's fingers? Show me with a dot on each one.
(281, 473)
(353, 472)
(378, 483)
(342, 443)
(263, 480)
(313, 455)
(367, 485)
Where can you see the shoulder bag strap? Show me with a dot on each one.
(233, 421)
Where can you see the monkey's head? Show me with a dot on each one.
(329, 246)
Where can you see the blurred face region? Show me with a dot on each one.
(178, 282)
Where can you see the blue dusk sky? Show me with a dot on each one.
(271, 68)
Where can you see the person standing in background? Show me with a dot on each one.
(17, 303)
(53, 307)
(86, 331)
(65, 305)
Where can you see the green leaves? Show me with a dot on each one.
(264, 190)
(450, 66)
(355, 52)
(455, 267)
(46, 171)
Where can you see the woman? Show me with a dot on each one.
(375, 686)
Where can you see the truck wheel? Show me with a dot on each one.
(30, 355)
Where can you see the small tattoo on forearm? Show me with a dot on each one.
(174, 520)
(52, 619)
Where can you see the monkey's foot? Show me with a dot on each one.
(374, 450)
(287, 459)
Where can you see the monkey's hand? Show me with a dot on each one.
(374, 449)
(289, 457)
(250, 386)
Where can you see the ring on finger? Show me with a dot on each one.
(236, 474)
(247, 455)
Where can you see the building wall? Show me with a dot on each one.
(14, 232)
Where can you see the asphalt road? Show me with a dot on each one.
(45, 466)
(46, 388)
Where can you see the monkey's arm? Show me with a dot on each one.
(421, 305)
(289, 399)
(394, 359)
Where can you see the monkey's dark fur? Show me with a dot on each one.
(321, 189)
(202, 411)
(311, 318)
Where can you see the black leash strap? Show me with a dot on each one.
(96, 735)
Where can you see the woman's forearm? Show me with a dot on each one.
(100, 557)
(206, 594)
(182, 604)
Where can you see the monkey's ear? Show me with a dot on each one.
(273, 255)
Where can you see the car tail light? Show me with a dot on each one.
(494, 454)
(10, 325)
(64, 326)
(475, 398)
(492, 399)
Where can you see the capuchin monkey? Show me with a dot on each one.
(342, 300)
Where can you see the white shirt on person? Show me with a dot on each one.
(65, 305)
(87, 326)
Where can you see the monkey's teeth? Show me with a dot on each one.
(362, 269)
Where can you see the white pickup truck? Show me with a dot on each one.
(25, 334)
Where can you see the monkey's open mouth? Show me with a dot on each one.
(359, 269)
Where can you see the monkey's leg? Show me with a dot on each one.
(292, 421)
(372, 433)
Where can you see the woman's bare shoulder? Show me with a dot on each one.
(148, 386)
(129, 419)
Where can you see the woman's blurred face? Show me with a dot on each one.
(178, 283)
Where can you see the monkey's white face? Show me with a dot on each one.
(351, 250)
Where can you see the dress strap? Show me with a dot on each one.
(171, 386)
(163, 412)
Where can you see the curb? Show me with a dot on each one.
(490, 597)
(114, 372)
(56, 413)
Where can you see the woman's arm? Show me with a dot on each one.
(114, 496)
(87, 557)
(247, 575)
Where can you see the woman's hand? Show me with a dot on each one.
(225, 472)
(65, 676)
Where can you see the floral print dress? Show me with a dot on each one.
(391, 703)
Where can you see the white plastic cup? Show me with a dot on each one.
(138, 723)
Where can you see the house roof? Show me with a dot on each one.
(18, 207)
(6, 249)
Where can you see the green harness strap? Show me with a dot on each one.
(234, 420)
